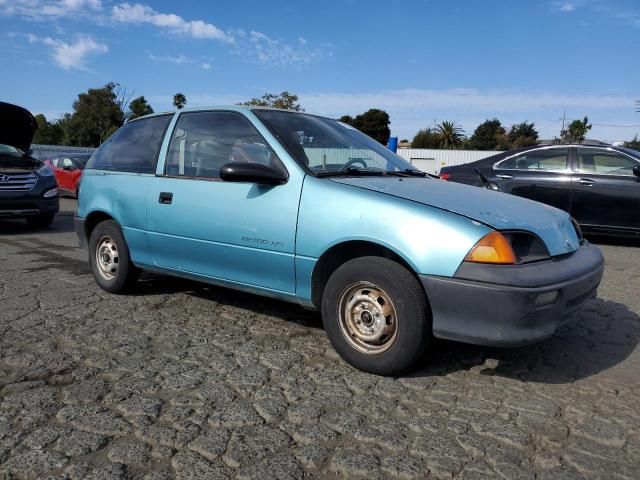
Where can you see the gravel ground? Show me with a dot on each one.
(184, 380)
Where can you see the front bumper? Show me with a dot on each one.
(27, 205)
(81, 231)
(512, 305)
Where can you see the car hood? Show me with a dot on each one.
(495, 209)
(17, 126)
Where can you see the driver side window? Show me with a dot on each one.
(203, 142)
(603, 162)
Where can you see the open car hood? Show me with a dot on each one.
(498, 210)
(17, 126)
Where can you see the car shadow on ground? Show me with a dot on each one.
(157, 284)
(596, 339)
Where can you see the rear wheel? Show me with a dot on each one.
(40, 221)
(109, 258)
(376, 315)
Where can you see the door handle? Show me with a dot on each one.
(165, 197)
(504, 176)
(584, 181)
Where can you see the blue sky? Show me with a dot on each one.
(422, 61)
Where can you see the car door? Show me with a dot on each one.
(65, 175)
(236, 232)
(541, 174)
(606, 193)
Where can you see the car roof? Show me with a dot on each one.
(230, 108)
(509, 153)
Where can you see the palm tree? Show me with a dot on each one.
(179, 100)
(451, 135)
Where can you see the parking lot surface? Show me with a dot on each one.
(183, 380)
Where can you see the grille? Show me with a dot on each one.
(17, 182)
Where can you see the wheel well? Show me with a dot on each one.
(93, 220)
(330, 260)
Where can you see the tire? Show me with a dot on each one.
(376, 315)
(42, 220)
(110, 259)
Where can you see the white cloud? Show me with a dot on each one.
(462, 98)
(179, 60)
(564, 6)
(141, 14)
(71, 55)
(47, 9)
(203, 62)
(412, 109)
(257, 47)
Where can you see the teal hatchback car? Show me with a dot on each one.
(309, 210)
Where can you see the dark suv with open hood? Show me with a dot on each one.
(27, 186)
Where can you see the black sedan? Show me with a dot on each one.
(599, 186)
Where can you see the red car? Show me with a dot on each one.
(68, 170)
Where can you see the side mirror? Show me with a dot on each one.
(636, 170)
(252, 173)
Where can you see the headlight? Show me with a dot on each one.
(45, 171)
(492, 248)
(508, 248)
(51, 193)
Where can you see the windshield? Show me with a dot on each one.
(8, 150)
(328, 147)
(81, 160)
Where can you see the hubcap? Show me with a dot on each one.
(368, 318)
(107, 258)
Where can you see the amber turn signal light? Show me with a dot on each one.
(492, 248)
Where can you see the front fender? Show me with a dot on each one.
(432, 241)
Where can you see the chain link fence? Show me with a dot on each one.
(45, 151)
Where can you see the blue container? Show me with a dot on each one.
(393, 144)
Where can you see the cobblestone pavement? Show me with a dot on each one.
(183, 380)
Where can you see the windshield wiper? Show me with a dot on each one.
(352, 172)
(407, 172)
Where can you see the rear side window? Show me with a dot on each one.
(553, 159)
(603, 162)
(133, 148)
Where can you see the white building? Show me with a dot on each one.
(431, 161)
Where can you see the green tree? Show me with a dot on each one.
(96, 113)
(426, 138)
(47, 133)
(634, 144)
(139, 107)
(521, 135)
(451, 135)
(487, 136)
(284, 100)
(374, 122)
(179, 100)
(576, 131)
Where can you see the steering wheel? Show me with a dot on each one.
(353, 161)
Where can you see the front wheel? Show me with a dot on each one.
(376, 315)
(109, 258)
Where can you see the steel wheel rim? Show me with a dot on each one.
(107, 258)
(368, 318)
